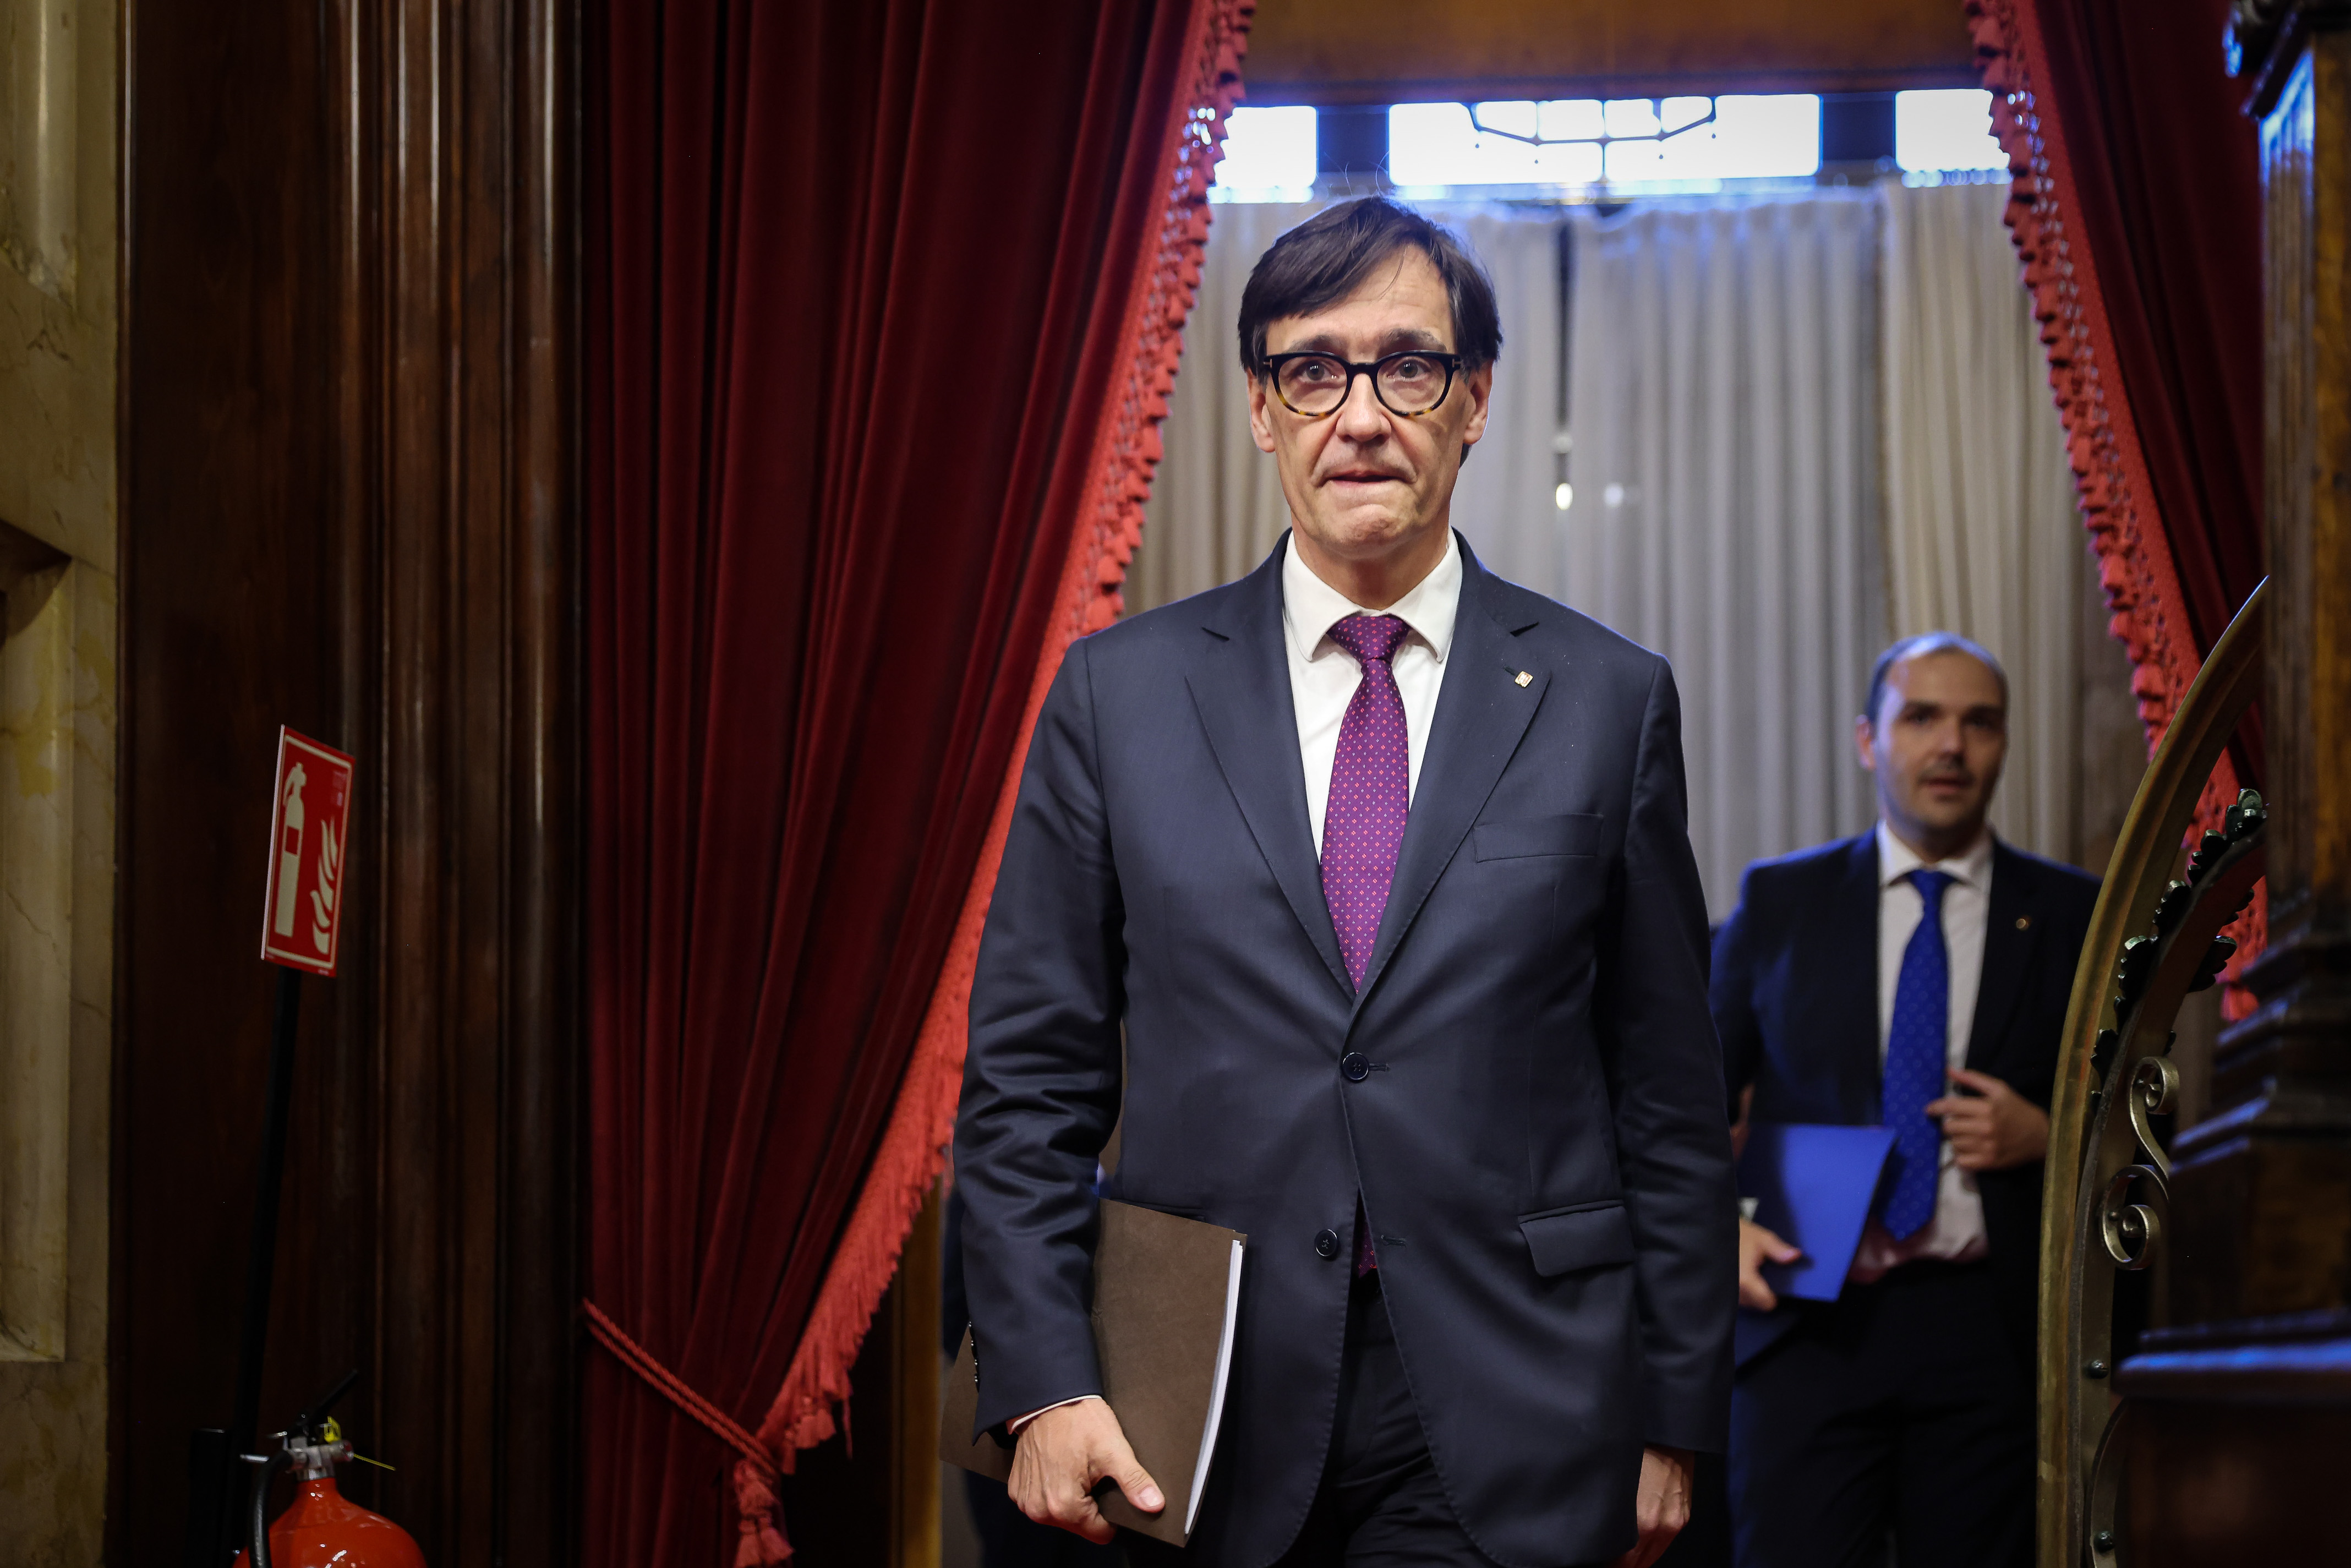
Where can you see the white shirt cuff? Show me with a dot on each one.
(1012, 1427)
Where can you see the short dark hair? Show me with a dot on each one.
(1930, 643)
(1327, 257)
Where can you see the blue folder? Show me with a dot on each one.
(1812, 1186)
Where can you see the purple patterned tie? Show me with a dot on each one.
(1371, 790)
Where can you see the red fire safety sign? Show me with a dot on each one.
(309, 841)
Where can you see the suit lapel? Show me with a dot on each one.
(1850, 1029)
(1241, 687)
(1482, 712)
(2010, 932)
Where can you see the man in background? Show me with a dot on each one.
(1916, 977)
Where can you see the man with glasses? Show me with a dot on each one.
(1382, 864)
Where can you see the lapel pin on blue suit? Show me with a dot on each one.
(1526, 677)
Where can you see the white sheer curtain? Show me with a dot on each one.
(1802, 426)
(1723, 404)
(1215, 507)
(1983, 537)
(1503, 503)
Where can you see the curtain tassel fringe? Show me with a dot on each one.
(755, 1503)
(763, 1542)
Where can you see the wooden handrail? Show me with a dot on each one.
(2076, 1303)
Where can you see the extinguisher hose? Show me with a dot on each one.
(260, 1547)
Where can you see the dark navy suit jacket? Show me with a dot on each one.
(1539, 1140)
(1795, 1001)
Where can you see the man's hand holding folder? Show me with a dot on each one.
(1814, 1184)
(1757, 1246)
(1166, 1295)
(1068, 1443)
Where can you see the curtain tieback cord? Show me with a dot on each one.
(755, 1474)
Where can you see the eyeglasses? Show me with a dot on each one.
(1409, 383)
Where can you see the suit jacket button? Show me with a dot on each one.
(1326, 1244)
(1356, 1066)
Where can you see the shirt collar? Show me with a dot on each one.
(1897, 860)
(1310, 606)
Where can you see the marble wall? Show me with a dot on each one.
(60, 186)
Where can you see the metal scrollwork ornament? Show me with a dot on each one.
(2134, 1230)
(2154, 1091)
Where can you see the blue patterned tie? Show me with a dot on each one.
(1916, 1056)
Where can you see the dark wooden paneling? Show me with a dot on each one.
(2249, 1484)
(2263, 1195)
(230, 577)
(1384, 51)
(347, 485)
(2238, 1423)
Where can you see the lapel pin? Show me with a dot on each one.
(1526, 678)
(2024, 922)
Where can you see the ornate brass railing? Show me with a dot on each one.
(2152, 940)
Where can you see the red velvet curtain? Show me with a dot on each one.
(865, 283)
(2169, 200)
(2136, 207)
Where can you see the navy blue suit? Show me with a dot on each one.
(1537, 1133)
(1795, 1002)
(1905, 1388)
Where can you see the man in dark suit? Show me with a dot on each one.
(1916, 977)
(1453, 1074)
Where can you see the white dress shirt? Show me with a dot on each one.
(1323, 681)
(1956, 1233)
(1323, 675)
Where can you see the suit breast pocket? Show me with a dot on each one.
(1574, 834)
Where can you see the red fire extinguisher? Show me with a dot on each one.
(322, 1529)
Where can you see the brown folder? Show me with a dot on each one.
(1165, 1292)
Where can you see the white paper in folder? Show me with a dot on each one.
(1217, 1398)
